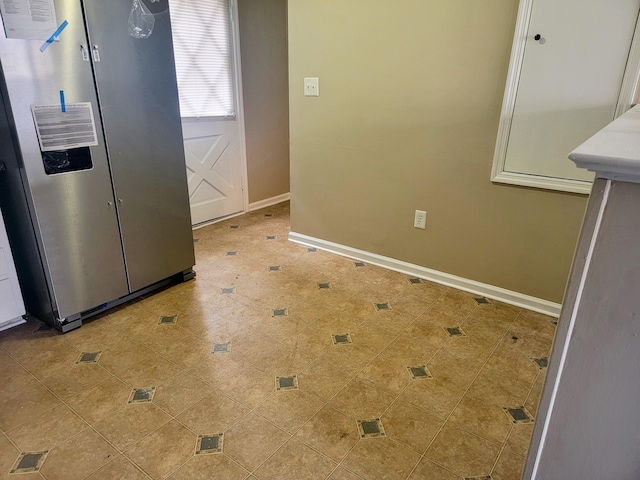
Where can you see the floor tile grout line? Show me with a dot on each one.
(465, 393)
(423, 455)
(328, 401)
(135, 465)
(20, 452)
(61, 400)
(247, 300)
(354, 377)
(95, 430)
(253, 411)
(504, 443)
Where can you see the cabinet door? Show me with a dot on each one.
(139, 102)
(575, 55)
(11, 305)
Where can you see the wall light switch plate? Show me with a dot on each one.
(311, 87)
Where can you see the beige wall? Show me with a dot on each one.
(263, 45)
(410, 98)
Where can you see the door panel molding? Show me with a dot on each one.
(499, 173)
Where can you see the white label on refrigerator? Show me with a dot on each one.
(28, 19)
(61, 127)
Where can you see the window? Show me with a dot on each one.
(203, 49)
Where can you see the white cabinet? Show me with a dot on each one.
(573, 66)
(11, 304)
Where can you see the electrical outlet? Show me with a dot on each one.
(311, 87)
(420, 219)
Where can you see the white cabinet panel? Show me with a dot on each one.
(4, 265)
(563, 87)
(11, 304)
(8, 306)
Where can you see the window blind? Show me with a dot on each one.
(203, 50)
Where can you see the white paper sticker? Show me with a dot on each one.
(28, 19)
(58, 130)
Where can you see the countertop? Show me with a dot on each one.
(613, 152)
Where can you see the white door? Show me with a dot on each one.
(214, 167)
(574, 62)
(209, 83)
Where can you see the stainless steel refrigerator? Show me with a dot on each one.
(92, 173)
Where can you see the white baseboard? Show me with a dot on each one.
(503, 295)
(216, 220)
(12, 323)
(267, 202)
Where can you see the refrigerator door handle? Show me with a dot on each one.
(96, 53)
(85, 53)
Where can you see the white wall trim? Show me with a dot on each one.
(237, 60)
(574, 314)
(507, 296)
(215, 220)
(12, 323)
(267, 202)
(538, 181)
(511, 89)
(631, 74)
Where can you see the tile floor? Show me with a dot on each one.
(277, 362)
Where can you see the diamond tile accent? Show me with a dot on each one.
(518, 414)
(227, 291)
(89, 357)
(142, 395)
(279, 312)
(419, 372)
(287, 383)
(271, 237)
(382, 306)
(360, 264)
(232, 254)
(324, 286)
(221, 347)
(167, 319)
(208, 444)
(342, 339)
(371, 428)
(414, 281)
(29, 462)
(274, 268)
(541, 362)
(312, 250)
(482, 301)
(455, 332)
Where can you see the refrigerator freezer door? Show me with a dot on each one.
(73, 211)
(139, 100)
